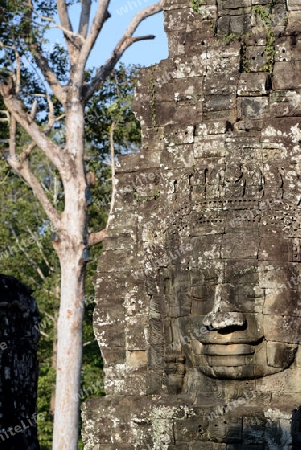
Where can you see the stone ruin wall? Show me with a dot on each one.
(219, 167)
(19, 336)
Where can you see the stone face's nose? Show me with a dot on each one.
(224, 314)
(221, 319)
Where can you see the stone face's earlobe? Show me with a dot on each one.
(175, 372)
(280, 355)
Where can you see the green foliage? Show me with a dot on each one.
(262, 12)
(196, 4)
(26, 253)
(22, 31)
(232, 37)
(111, 103)
(285, 21)
(269, 50)
(22, 26)
(26, 250)
(45, 389)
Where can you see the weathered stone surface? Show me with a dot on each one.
(285, 75)
(19, 336)
(198, 307)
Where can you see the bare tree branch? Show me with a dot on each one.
(52, 80)
(84, 18)
(12, 138)
(95, 238)
(25, 172)
(42, 62)
(13, 122)
(125, 42)
(63, 14)
(89, 342)
(44, 334)
(51, 117)
(34, 110)
(41, 250)
(147, 37)
(52, 120)
(26, 152)
(16, 108)
(105, 70)
(67, 32)
(50, 316)
(21, 165)
(4, 179)
(98, 21)
(74, 41)
(25, 253)
(2, 45)
(18, 73)
(56, 25)
(4, 113)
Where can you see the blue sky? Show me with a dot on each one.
(143, 53)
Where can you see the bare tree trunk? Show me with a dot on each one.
(57, 296)
(70, 245)
(69, 354)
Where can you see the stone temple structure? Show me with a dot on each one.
(198, 313)
(19, 336)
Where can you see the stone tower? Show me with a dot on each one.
(19, 336)
(198, 291)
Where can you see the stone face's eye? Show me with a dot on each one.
(202, 299)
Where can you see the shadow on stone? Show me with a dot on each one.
(19, 336)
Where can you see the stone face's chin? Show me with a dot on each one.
(246, 372)
(229, 373)
(244, 361)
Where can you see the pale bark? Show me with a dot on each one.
(84, 18)
(69, 351)
(72, 240)
(98, 21)
(54, 153)
(52, 80)
(26, 152)
(95, 238)
(54, 364)
(113, 170)
(64, 16)
(69, 33)
(32, 181)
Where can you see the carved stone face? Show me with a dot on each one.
(239, 304)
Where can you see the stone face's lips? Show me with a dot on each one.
(228, 349)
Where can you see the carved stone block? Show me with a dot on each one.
(198, 301)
